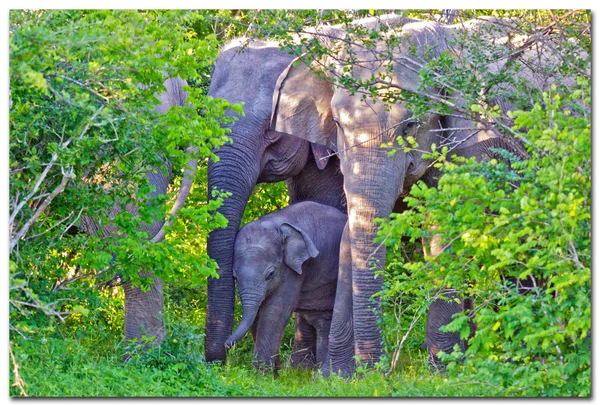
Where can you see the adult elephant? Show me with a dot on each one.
(247, 71)
(364, 132)
(144, 309)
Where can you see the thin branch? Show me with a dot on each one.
(397, 351)
(59, 189)
(60, 285)
(73, 222)
(82, 85)
(458, 144)
(49, 165)
(55, 225)
(530, 41)
(19, 383)
(36, 186)
(364, 142)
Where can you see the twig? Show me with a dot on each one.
(533, 38)
(44, 174)
(82, 85)
(55, 225)
(19, 383)
(399, 348)
(59, 189)
(59, 285)
(458, 144)
(73, 222)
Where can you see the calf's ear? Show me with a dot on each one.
(297, 247)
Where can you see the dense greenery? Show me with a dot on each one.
(516, 234)
(522, 233)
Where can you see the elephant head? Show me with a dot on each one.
(364, 132)
(263, 252)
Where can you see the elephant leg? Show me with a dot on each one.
(340, 356)
(439, 314)
(323, 328)
(274, 314)
(143, 312)
(255, 327)
(305, 339)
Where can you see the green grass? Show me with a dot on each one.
(64, 368)
(82, 358)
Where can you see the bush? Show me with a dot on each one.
(516, 240)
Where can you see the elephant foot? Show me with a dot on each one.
(144, 325)
(344, 369)
(306, 363)
(435, 364)
(303, 359)
(215, 354)
(267, 367)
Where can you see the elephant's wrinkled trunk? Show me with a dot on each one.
(371, 194)
(236, 172)
(250, 305)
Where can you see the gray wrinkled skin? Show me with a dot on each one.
(143, 310)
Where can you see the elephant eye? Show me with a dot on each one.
(411, 125)
(270, 275)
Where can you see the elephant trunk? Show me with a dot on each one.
(251, 301)
(237, 172)
(371, 194)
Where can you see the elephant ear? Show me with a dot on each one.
(302, 105)
(321, 154)
(297, 247)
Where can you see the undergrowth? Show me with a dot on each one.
(82, 358)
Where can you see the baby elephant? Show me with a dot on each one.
(284, 262)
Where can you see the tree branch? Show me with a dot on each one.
(19, 383)
(59, 189)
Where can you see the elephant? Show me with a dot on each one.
(285, 262)
(247, 71)
(143, 309)
(440, 312)
(377, 171)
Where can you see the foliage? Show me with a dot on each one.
(82, 362)
(506, 227)
(516, 240)
(83, 134)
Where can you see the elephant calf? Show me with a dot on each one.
(284, 262)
